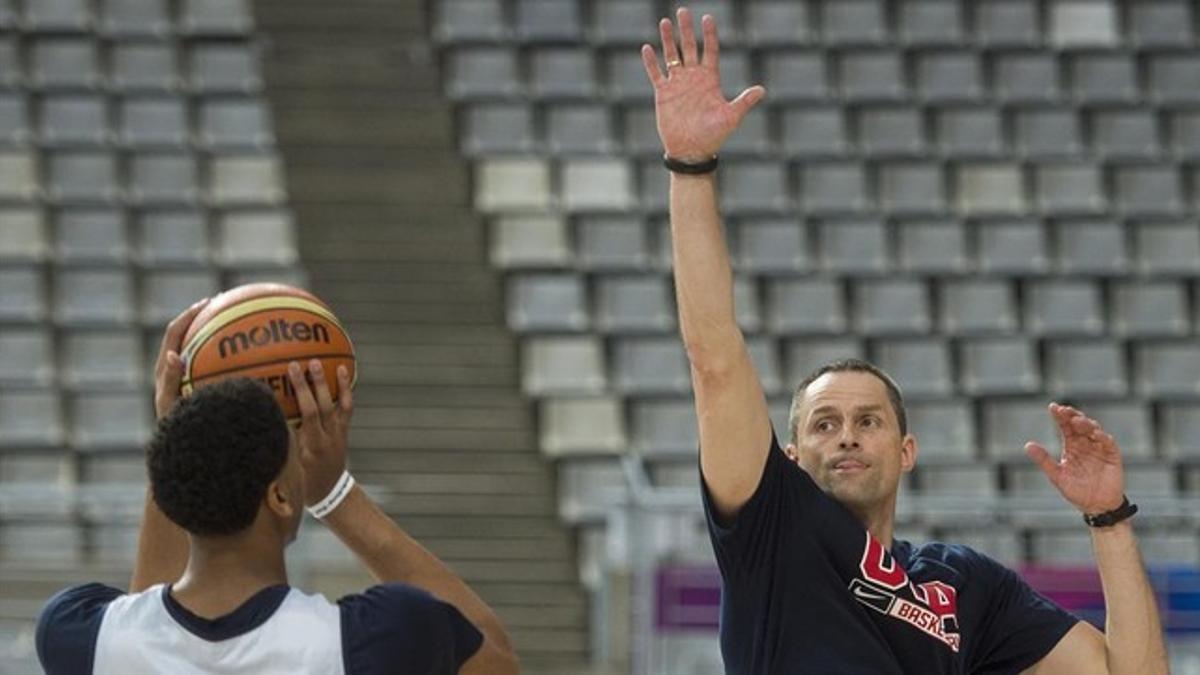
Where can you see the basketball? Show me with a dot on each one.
(256, 330)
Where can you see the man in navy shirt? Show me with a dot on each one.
(813, 581)
(229, 482)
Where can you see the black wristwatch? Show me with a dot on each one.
(1110, 518)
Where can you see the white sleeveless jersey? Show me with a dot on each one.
(139, 637)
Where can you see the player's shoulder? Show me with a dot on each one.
(68, 625)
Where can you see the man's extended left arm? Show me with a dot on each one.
(1089, 475)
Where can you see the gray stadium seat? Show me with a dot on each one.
(1086, 368)
(871, 75)
(30, 417)
(640, 130)
(625, 76)
(253, 179)
(26, 356)
(134, 18)
(977, 305)
(236, 122)
(805, 305)
(1167, 369)
(224, 67)
(932, 247)
(174, 236)
(746, 306)
(854, 246)
(1097, 248)
(849, 22)
(600, 184)
(64, 63)
(18, 175)
(563, 72)
(547, 302)
(945, 428)
(1065, 188)
(94, 295)
(83, 177)
(1180, 430)
(1170, 547)
(1048, 132)
(1007, 23)
(589, 488)
(795, 75)
(530, 241)
(723, 12)
(22, 294)
(1150, 309)
(650, 365)
(1104, 77)
(754, 187)
(562, 365)
(1184, 135)
(612, 242)
(834, 187)
(930, 22)
(664, 426)
(912, 188)
(165, 293)
(482, 72)
(578, 129)
(999, 366)
(145, 66)
(470, 20)
(1160, 24)
(1167, 248)
(1025, 78)
(548, 21)
(655, 185)
(987, 188)
(74, 119)
(630, 22)
(1063, 307)
(1151, 190)
(255, 238)
(764, 354)
(1010, 423)
(771, 245)
(512, 184)
(752, 137)
(949, 76)
(804, 355)
(163, 178)
(891, 306)
(891, 130)
(969, 131)
(1083, 24)
(1129, 421)
(91, 235)
(777, 23)
(958, 480)
(582, 426)
(15, 124)
(1125, 133)
(1012, 247)
(629, 303)
(110, 420)
(102, 358)
(922, 366)
(23, 236)
(219, 18)
(813, 131)
(57, 16)
(1174, 78)
(154, 121)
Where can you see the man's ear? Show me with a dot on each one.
(792, 452)
(908, 453)
(278, 500)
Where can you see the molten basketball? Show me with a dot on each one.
(256, 330)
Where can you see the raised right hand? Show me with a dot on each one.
(324, 427)
(694, 118)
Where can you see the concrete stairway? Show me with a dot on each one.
(389, 238)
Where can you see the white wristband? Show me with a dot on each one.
(334, 499)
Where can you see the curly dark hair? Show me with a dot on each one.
(214, 454)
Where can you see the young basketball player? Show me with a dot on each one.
(229, 482)
(813, 580)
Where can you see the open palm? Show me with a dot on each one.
(1089, 474)
(694, 118)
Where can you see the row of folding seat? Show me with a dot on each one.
(117, 296)
(85, 63)
(783, 245)
(815, 131)
(938, 77)
(129, 17)
(887, 306)
(994, 366)
(969, 188)
(144, 177)
(45, 417)
(166, 237)
(137, 121)
(1062, 23)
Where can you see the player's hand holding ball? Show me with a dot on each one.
(168, 368)
(324, 426)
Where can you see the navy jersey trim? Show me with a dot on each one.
(69, 625)
(251, 614)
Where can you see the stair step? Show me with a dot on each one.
(416, 461)
(440, 418)
(488, 524)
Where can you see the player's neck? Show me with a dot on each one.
(223, 573)
(880, 522)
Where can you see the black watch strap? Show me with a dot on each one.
(1109, 518)
(678, 166)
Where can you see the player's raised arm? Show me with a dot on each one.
(694, 118)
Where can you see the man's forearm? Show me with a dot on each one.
(391, 555)
(703, 274)
(1133, 631)
(162, 549)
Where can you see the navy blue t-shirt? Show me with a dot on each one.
(806, 589)
(389, 628)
